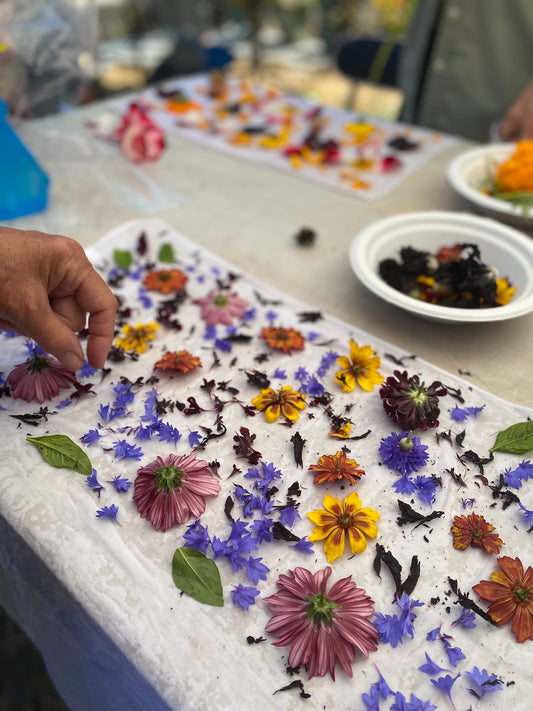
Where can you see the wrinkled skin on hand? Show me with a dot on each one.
(47, 289)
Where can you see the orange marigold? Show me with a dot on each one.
(516, 173)
(510, 593)
(473, 530)
(333, 467)
(181, 361)
(283, 339)
(165, 280)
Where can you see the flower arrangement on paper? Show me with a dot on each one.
(259, 433)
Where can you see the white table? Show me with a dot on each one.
(249, 215)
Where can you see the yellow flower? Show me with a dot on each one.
(504, 291)
(286, 402)
(135, 337)
(361, 368)
(340, 518)
(342, 431)
(360, 131)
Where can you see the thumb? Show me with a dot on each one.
(54, 336)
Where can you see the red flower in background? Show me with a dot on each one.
(139, 137)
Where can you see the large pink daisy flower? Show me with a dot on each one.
(321, 627)
(39, 378)
(172, 490)
(220, 306)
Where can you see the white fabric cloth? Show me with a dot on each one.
(98, 598)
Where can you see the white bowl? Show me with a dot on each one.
(502, 247)
(468, 173)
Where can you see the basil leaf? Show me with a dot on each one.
(123, 259)
(197, 575)
(516, 439)
(61, 451)
(166, 253)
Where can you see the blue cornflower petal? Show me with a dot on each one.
(244, 596)
(108, 512)
(120, 483)
(288, 516)
(280, 374)
(256, 570)
(125, 450)
(484, 682)
(445, 683)
(430, 667)
(304, 545)
(425, 487)
(466, 619)
(194, 438)
(86, 370)
(197, 536)
(64, 403)
(90, 437)
(454, 653)
(458, 414)
(94, 484)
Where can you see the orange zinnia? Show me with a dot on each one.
(473, 530)
(165, 280)
(182, 361)
(511, 595)
(332, 467)
(283, 339)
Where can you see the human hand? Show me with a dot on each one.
(518, 121)
(47, 287)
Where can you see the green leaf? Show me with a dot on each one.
(61, 451)
(123, 258)
(197, 575)
(516, 439)
(166, 253)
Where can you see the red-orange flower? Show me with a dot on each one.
(333, 467)
(473, 530)
(182, 361)
(283, 339)
(165, 280)
(511, 595)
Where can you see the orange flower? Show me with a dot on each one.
(283, 339)
(511, 595)
(165, 280)
(516, 173)
(473, 530)
(332, 467)
(182, 361)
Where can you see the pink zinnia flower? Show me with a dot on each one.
(139, 137)
(322, 628)
(172, 490)
(40, 378)
(220, 307)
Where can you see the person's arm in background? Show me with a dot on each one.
(518, 121)
(47, 288)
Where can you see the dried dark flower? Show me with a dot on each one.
(409, 402)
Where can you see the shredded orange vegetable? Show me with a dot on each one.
(517, 172)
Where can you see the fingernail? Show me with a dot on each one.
(72, 361)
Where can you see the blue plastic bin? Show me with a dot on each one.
(23, 183)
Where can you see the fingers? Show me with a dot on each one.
(52, 333)
(70, 312)
(518, 121)
(95, 298)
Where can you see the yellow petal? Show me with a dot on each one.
(357, 540)
(334, 546)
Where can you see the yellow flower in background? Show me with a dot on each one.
(504, 291)
(360, 368)
(285, 402)
(135, 337)
(360, 132)
(339, 519)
